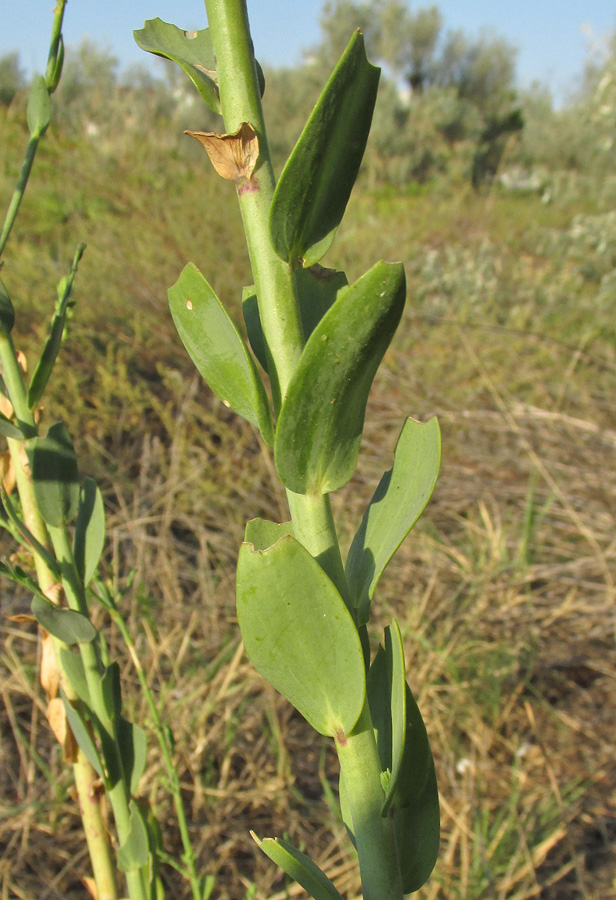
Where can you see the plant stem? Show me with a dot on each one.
(312, 515)
(22, 181)
(86, 778)
(241, 102)
(360, 768)
(175, 787)
(119, 791)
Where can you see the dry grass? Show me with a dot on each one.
(504, 593)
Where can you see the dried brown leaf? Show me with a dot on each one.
(50, 672)
(6, 407)
(55, 593)
(7, 472)
(56, 714)
(90, 886)
(23, 362)
(234, 156)
(22, 617)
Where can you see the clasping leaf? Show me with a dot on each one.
(320, 425)
(316, 182)
(396, 505)
(299, 634)
(217, 350)
(191, 50)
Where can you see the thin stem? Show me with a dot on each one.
(175, 787)
(24, 175)
(119, 791)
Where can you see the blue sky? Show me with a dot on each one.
(548, 33)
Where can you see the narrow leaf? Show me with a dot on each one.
(317, 180)
(82, 735)
(397, 504)
(299, 634)
(135, 849)
(39, 107)
(317, 289)
(55, 475)
(7, 313)
(322, 417)
(299, 867)
(17, 574)
(44, 368)
(9, 430)
(89, 536)
(133, 748)
(217, 350)
(396, 698)
(191, 50)
(67, 625)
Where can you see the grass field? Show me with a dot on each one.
(505, 591)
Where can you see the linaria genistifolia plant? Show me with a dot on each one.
(58, 518)
(303, 614)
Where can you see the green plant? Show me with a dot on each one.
(58, 519)
(303, 614)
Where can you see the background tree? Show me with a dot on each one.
(12, 78)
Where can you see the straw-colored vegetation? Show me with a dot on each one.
(505, 591)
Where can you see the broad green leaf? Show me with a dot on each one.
(316, 291)
(387, 697)
(217, 350)
(67, 625)
(191, 50)
(73, 667)
(417, 829)
(89, 536)
(7, 313)
(398, 502)
(262, 534)
(82, 735)
(299, 634)
(39, 107)
(299, 867)
(55, 475)
(322, 417)
(135, 848)
(133, 748)
(9, 430)
(317, 180)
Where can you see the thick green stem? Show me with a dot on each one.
(241, 102)
(360, 769)
(312, 516)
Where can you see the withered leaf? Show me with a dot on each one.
(56, 714)
(234, 156)
(50, 673)
(7, 472)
